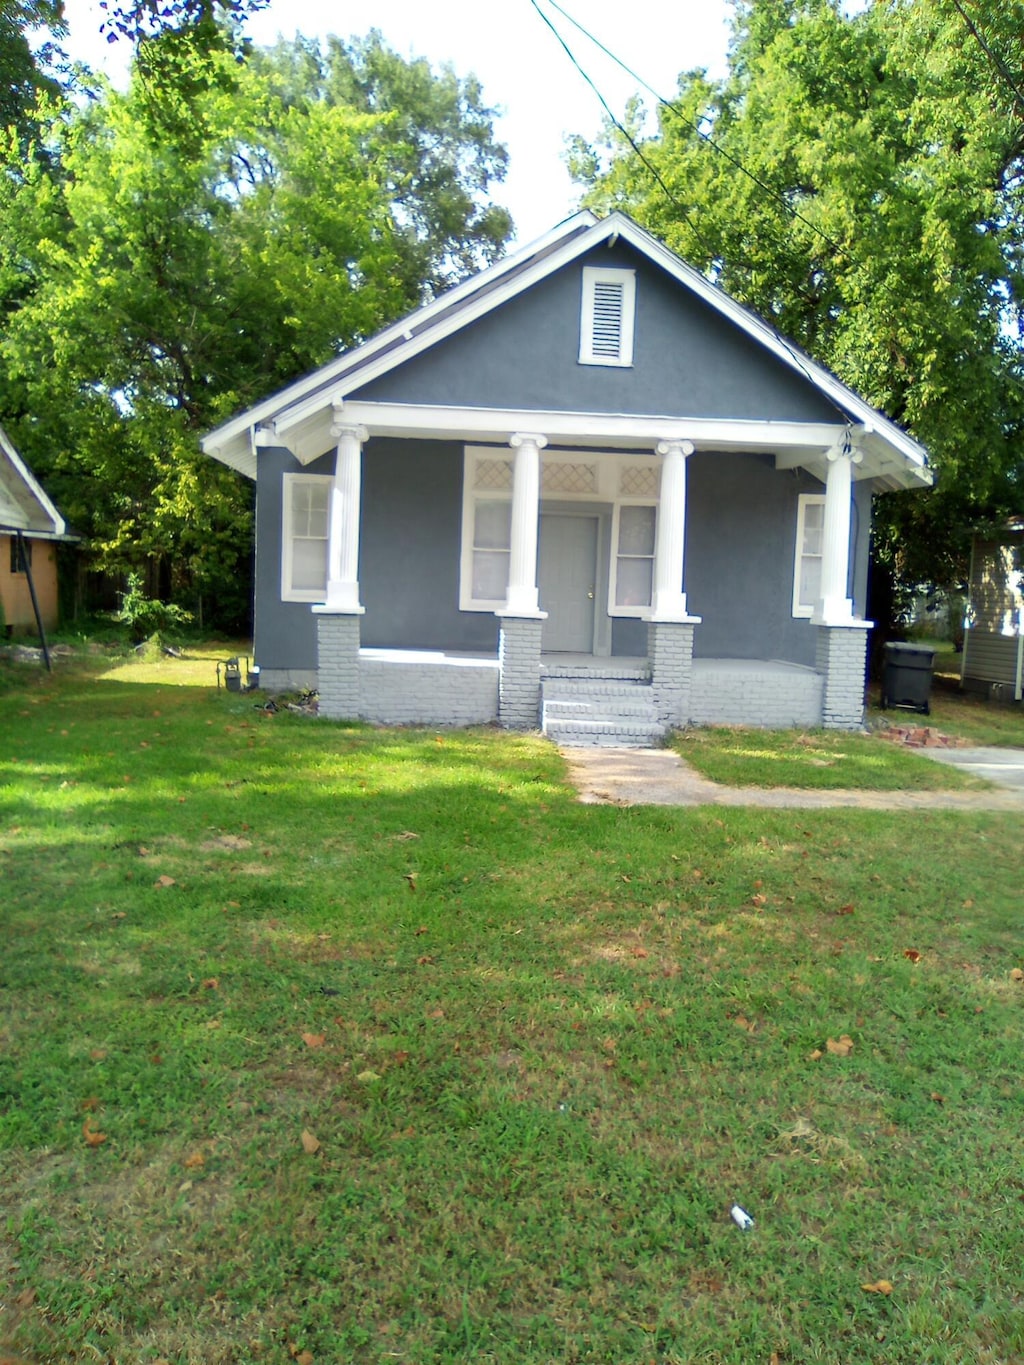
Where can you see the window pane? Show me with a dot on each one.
(492, 527)
(317, 524)
(636, 531)
(490, 575)
(633, 583)
(309, 564)
(814, 522)
(810, 580)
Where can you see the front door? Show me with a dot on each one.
(567, 576)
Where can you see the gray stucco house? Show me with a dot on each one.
(585, 490)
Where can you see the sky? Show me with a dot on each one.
(524, 71)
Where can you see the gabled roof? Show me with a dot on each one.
(270, 422)
(23, 504)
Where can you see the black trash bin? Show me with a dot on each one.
(907, 676)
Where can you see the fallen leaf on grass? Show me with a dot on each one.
(314, 1039)
(424, 961)
(26, 1298)
(303, 1357)
(211, 983)
(92, 1135)
(741, 1021)
(1016, 974)
(405, 835)
(195, 1162)
(939, 1099)
(878, 1287)
(367, 1076)
(410, 877)
(90, 1105)
(845, 910)
(840, 1047)
(435, 1014)
(164, 880)
(640, 952)
(759, 900)
(421, 930)
(310, 1144)
(399, 1058)
(911, 954)
(816, 1055)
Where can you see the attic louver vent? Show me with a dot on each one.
(607, 333)
(606, 319)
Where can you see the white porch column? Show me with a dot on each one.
(834, 607)
(668, 601)
(522, 599)
(343, 520)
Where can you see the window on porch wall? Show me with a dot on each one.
(492, 542)
(304, 537)
(634, 559)
(810, 532)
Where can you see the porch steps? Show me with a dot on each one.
(588, 707)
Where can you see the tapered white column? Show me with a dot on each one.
(343, 520)
(834, 607)
(668, 601)
(522, 599)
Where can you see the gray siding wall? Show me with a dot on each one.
(740, 546)
(688, 360)
(408, 560)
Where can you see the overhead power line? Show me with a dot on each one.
(704, 136)
(624, 131)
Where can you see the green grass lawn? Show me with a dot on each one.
(815, 759)
(325, 1044)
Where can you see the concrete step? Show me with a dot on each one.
(561, 707)
(621, 733)
(626, 672)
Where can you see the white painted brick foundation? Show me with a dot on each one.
(519, 661)
(452, 691)
(338, 664)
(841, 654)
(670, 651)
(768, 693)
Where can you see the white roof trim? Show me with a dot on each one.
(269, 407)
(57, 525)
(234, 443)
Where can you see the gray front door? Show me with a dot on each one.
(567, 579)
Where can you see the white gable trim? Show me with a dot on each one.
(245, 423)
(235, 442)
(56, 524)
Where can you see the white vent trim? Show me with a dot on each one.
(607, 316)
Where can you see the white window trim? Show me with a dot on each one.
(607, 495)
(804, 501)
(288, 593)
(642, 609)
(594, 275)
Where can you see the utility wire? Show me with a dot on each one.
(653, 170)
(796, 355)
(704, 136)
(993, 56)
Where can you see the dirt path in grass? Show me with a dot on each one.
(659, 777)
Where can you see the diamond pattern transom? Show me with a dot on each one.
(639, 481)
(569, 478)
(493, 475)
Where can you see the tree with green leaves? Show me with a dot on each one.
(171, 275)
(857, 179)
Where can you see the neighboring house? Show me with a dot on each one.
(583, 489)
(993, 655)
(29, 525)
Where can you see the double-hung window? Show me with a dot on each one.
(810, 532)
(633, 530)
(304, 537)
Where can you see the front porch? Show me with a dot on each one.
(579, 699)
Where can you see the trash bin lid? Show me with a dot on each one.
(897, 647)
